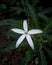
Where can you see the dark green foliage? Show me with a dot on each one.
(42, 59)
(2, 7)
(27, 58)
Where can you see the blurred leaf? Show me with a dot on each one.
(12, 1)
(34, 2)
(8, 47)
(28, 56)
(9, 22)
(2, 7)
(44, 17)
(49, 51)
(32, 13)
(42, 60)
(46, 10)
(49, 25)
(24, 44)
(17, 8)
(12, 34)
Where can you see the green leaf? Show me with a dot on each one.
(12, 1)
(49, 51)
(32, 13)
(28, 56)
(49, 25)
(9, 22)
(12, 34)
(17, 9)
(42, 60)
(46, 10)
(8, 47)
(2, 7)
(44, 17)
(35, 2)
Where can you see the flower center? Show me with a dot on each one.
(26, 32)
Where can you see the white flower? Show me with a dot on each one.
(26, 33)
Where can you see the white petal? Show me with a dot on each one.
(28, 37)
(25, 26)
(18, 31)
(35, 31)
(20, 40)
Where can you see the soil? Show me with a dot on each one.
(14, 57)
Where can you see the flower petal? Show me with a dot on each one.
(20, 40)
(28, 37)
(25, 26)
(18, 31)
(35, 31)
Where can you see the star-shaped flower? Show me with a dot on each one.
(26, 33)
